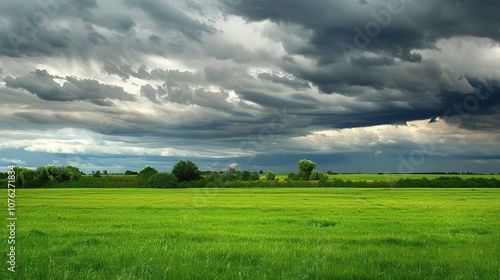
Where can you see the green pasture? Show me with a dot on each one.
(256, 233)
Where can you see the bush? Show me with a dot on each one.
(318, 176)
(161, 180)
(226, 176)
(129, 172)
(202, 183)
(246, 175)
(293, 177)
(270, 175)
(146, 172)
(40, 177)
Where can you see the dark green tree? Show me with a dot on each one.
(27, 177)
(305, 168)
(226, 176)
(186, 170)
(146, 172)
(129, 172)
(246, 175)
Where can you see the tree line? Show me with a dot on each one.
(186, 174)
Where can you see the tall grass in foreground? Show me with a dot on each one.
(272, 233)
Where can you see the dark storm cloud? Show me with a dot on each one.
(473, 111)
(409, 24)
(167, 16)
(120, 23)
(293, 83)
(172, 92)
(276, 101)
(33, 30)
(206, 91)
(125, 71)
(44, 86)
(155, 39)
(390, 30)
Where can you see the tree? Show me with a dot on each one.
(161, 180)
(305, 168)
(105, 172)
(39, 177)
(186, 170)
(226, 176)
(246, 175)
(214, 175)
(129, 172)
(27, 177)
(261, 172)
(96, 174)
(146, 172)
(71, 172)
(318, 176)
(293, 177)
(270, 175)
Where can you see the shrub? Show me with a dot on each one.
(270, 175)
(226, 176)
(146, 172)
(318, 176)
(293, 177)
(161, 180)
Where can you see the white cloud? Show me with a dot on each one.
(12, 161)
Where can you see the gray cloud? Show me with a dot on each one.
(165, 15)
(196, 82)
(44, 86)
(293, 83)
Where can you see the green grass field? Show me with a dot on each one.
(274, 233)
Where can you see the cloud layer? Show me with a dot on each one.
(252, 83)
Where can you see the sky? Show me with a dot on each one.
(356, 86)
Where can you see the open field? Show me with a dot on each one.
(273, 233)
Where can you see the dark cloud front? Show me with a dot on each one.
(404, 29)
(474, 111)
(44, 86)
(409, 25)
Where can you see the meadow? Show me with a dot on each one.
(256, 233)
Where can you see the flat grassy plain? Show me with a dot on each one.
(256, 233)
